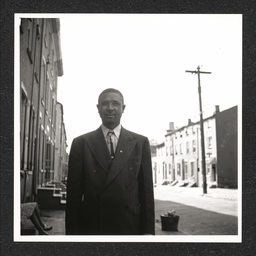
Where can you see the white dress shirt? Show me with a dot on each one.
(115, 136)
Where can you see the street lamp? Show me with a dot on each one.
(198, 72)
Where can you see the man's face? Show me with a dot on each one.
(111, 108)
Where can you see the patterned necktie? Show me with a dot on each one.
(112, 152)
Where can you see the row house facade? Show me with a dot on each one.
(42, 130)
(61, 156)
(178, 158)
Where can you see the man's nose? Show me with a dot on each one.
(110, 106)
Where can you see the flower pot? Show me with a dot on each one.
(169, 223)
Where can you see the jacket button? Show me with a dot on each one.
(94, 171)
(130, 168)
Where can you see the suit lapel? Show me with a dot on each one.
(124, 149)
(99, 149)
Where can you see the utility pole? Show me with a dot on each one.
(198, 72)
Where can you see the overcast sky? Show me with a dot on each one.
(145, 57)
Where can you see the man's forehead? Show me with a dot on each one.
(111, 96)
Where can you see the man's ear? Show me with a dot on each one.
(124, 107)
(97, 107)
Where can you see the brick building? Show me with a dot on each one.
(40, 67)
(227, 154)
(178, 159)
(61, 156)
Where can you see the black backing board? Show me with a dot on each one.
(9, 8)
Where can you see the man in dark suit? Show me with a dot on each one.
(109, 186)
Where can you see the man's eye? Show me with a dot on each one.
(105, 104)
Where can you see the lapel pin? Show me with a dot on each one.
(121, 151)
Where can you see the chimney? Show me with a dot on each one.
(189, 121)
(217, 109)
(171, 127)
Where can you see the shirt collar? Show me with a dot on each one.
(116, 130)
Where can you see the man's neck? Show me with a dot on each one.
(116, 130)
(111, 127)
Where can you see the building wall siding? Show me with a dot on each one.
(40, 67)
(180, 153)
(227, 148)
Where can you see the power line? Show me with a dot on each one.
(198, 72)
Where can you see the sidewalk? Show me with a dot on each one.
(220, 193)
(183, 199)
(223, 201)
(214, 213)
(56, 219)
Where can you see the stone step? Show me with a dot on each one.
(49, 199)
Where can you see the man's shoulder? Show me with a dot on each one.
(135, 135)
(87, 135)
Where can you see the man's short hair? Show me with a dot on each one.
(111, 90)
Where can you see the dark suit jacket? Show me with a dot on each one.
(110, 197)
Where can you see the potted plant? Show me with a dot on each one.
(170, 221)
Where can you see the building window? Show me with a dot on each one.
(176, 149)
(209, 140)
(43, 83)
(42, 149)
(52, 111)
(167, 151)
(48, 97)
(178, 169)
(30, 40)
(53, 155)
(187, 147)
(186, 170)
(194, 145)
(171, 150)
(45, 41)
(48, 160)
(38, 30)
(31, 139)
(23, 129)
(22, 25)
(47, 91)
(209, 124)
(180, 148)
(27, 133)
(192, 168)
(170, 169)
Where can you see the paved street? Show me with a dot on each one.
(217, 199)
(215, 213)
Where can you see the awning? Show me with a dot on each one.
(212, 160)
